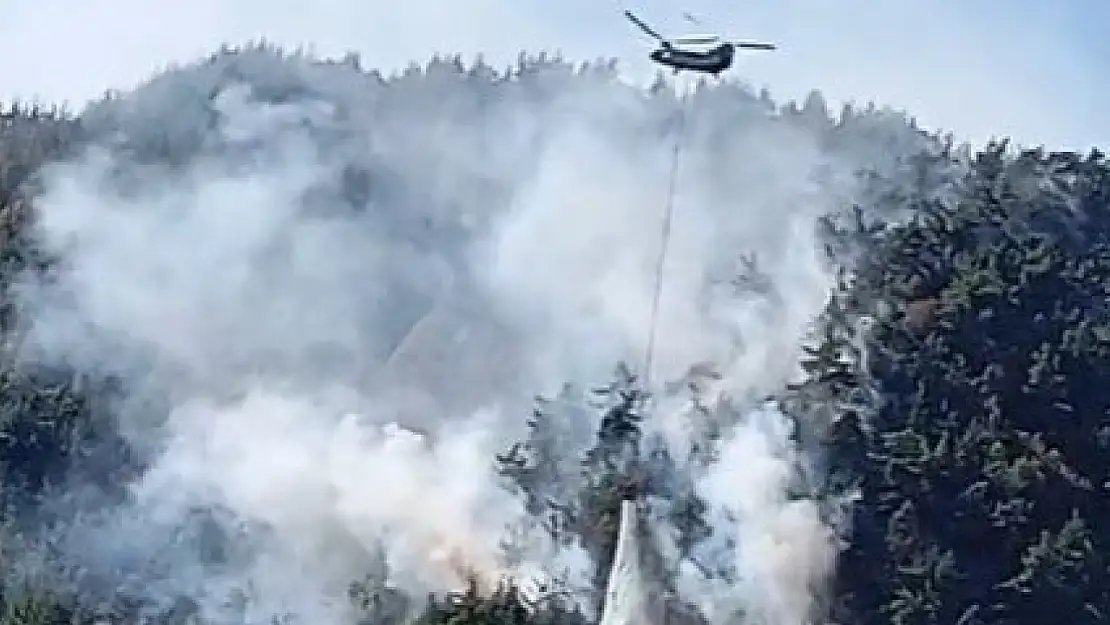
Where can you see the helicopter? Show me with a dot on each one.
(673, 54)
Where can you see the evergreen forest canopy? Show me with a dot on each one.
(880, 355)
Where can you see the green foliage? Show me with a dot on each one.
(621, 464)
(982, 467)
(506, 605)
(27, 607)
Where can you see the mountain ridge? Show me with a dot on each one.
(241, 259)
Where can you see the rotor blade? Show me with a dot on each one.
(644, 27)
(705, 39)
(749, 45)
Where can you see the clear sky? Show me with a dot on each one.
(1036, 70)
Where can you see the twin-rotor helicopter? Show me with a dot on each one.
(707, 54)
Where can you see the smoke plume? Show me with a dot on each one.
(330, 298)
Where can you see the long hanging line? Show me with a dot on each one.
(665, 238)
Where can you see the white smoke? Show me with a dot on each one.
(784, 547)
(513, 231)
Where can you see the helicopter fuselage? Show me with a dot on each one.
(712, 61)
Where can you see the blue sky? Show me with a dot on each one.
(1034, 70)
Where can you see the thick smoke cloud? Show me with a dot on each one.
(310, 258)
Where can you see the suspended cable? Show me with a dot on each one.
(664, 239)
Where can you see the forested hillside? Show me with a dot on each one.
(288, 340)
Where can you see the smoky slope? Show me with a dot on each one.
(277, 257)
(417, 189)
